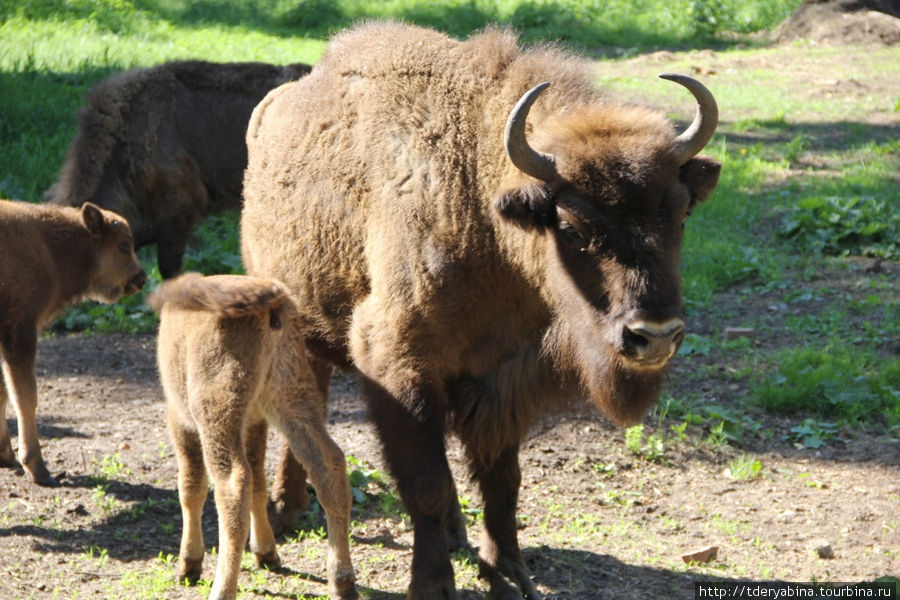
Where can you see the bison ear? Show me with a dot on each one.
(93, 218)
(531, 206)
(700, 175)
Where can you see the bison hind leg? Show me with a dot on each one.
(262, 539)
(326, 465)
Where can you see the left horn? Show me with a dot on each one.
(700, 131)
(524, 157)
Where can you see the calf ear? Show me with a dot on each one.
(531, 206)
(700, 175)
(93, 218)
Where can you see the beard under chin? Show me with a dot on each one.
(623, 394)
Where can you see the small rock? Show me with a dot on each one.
(705, 555)
(824, 551)
(78, 510)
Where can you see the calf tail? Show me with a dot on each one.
(230, 296)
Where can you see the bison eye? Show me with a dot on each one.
(572, 235)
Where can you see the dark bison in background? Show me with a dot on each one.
(477, 250)
(164, 147)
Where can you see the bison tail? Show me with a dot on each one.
(230, 296)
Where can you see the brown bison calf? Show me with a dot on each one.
(231, 361)
(50, 257)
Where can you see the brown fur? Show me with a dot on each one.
(231, 361)
(51, 257)
(164, 146)
(378, 190)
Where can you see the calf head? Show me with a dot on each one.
(609, 196)
(118, 272)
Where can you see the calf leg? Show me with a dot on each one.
(325, 461)
(414, 449)
(192, 490)
(289, 494)
(262, 540)
(233, 479)
(499, 557)
(7, 456)
(18, 371)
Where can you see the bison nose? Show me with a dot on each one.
(651, 344)
(136, 282)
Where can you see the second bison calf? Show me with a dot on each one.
(231, 361)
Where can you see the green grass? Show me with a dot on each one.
(613, 22)
(834, 381)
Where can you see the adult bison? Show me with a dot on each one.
(164, 147)
(474, 279)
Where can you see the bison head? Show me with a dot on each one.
(118, 272)
(608, 197)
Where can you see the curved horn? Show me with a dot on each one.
(523, 156)
(697, 135)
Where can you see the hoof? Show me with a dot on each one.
(281, 516)
(511, 581)
(344, 588)
(270, 560)
(8, 458)
(42, 476)
(443, 589)
(189, 570)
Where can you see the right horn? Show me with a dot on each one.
(697, 135)
(524, 157)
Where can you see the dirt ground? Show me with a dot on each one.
(596, 520)
(843, 22)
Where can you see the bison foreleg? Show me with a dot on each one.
(18, 371)
(499, 557)
(414, 450)
(170, 247)
(288, 495)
